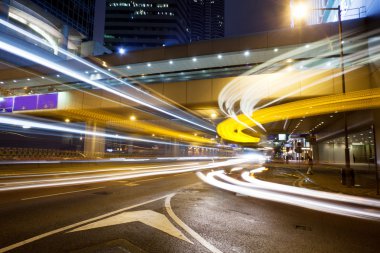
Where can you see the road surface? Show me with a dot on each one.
(169, 213)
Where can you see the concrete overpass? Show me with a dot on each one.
(193, 75)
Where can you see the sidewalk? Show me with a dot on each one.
(327, 177)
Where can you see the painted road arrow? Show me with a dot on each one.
(148, 217)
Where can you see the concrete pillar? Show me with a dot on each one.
(175, 148)
(94, 146)
(376, 129)
(130, 148)
(376, 122)
(65, 36)
(4, 9)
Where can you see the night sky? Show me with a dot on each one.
(250, 16)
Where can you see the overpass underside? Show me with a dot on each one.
(197, 80)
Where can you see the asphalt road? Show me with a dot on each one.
(174, 213)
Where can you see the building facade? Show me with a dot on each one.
(138, 24)
(207, 19)
(77, 14)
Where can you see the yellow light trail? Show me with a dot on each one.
(358, 100)
(111, 119)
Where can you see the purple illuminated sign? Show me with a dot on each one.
(47, 101)
(33, 102)
(6, 104)
(25, 103)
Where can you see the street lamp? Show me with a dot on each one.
(299, 11)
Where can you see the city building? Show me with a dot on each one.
(207, 19)
(57, 32)
(77, 14)
(80, 15)
(66, 24)
(131, 24)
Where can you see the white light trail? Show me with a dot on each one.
(76, 180)
(89, 171)
(66, 129)
(251, 88)
(254, 182)
(82, 78)
(305, 201)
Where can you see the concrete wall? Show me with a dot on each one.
(206, 92)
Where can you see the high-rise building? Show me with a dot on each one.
(207, 19)
(78, 14)
(136, 24)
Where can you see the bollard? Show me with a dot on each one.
(352, 178)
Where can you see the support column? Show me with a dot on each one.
(130, 148)
(376, 122)
(65, 36)
(315, 153)
(376, 134)
(94, 146)
(175, 148)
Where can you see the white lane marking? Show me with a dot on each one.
(35, 238)
(62, 193)
(194, 234)
(148, 217)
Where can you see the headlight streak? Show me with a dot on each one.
(22, 185)
(306, 192)
(265, 193)
(248, 91)
(117, 122)
(49, 174)
(352, 59)
(66, 129)
(57, 67)
(34, 124)
(253, 182)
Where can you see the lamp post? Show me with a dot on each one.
(299, 12)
